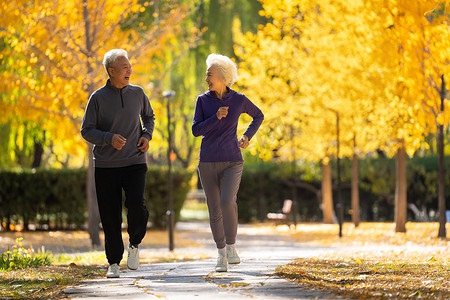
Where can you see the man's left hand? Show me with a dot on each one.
(143, 144)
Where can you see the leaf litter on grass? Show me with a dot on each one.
(43, 282)
(373, 262)
(372, 278)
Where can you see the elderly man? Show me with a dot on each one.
(112, 123)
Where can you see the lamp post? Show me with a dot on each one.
(170, 213)
(340, 205)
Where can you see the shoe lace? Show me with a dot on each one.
(114, 267)
(232, 252)
(132, 251)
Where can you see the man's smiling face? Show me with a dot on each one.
(120, 72)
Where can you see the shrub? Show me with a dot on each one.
(264, 187)
(157, 197)
(56, 199)
(46, 198)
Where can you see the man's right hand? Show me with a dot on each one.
(118, 141)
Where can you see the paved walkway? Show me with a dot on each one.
(253, 278)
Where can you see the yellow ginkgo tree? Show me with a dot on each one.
(308, 68)
(362, 62)
(54, 51)
(418, 35)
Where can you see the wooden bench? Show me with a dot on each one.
(285, 216)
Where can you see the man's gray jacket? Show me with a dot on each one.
(111, 110)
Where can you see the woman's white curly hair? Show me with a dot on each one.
(227, 68)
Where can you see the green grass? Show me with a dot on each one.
(194, 210)
(20, 258)
(86, 258)
(13, 261)
(24, 274)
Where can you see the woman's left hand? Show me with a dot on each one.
(244, 142)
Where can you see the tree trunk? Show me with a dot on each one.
(37, 154)
(8, 222)
(441, 189)
(355, 191)
(400, 191)
(93, 214)
(26, 221)
(261, 200)
(327, 194)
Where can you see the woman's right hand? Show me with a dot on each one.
(222, 112)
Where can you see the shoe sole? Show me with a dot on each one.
(234, 261)
(132, 268)
(221, 270)
(112, 276)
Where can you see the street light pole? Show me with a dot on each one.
(170, 213)
(340, 205)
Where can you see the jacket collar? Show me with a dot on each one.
(230, 92)
(108, 84)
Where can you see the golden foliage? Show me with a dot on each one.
(53, 51)
(376, 64)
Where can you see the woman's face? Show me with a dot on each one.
(213, 79)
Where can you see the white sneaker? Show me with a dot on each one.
(133, 258)
(113, 271)
(232, 256)
(221, 264)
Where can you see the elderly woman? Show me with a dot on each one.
(216, 118)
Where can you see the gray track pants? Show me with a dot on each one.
(220, 181)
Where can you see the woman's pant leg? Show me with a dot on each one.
(209, 177)
(109, 197)
(229, 186)
(221, 182)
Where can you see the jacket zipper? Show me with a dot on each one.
(121, 98)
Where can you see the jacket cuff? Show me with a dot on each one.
(109, 136)
(147, 136)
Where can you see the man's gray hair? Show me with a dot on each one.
(111, 57)
(227, 68)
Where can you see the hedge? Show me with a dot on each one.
(56, 199)
(265, 186)
(156, 193)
